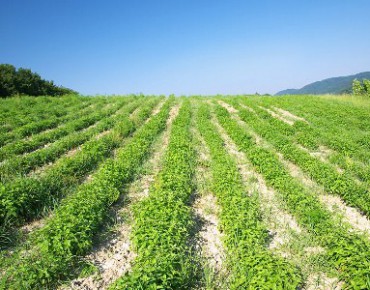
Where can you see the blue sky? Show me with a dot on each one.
(186, 47)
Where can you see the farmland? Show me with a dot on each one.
(145, 192)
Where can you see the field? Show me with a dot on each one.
(218, 192)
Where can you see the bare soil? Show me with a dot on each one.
(289, 115)
(278, 116)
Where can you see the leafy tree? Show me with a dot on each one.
(357, 88)
(7, 77)
(28, 83)
(25, 82)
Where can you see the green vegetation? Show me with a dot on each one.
(163, 221)
(67, 163)
(25, 82)
(361, 88)
(241, 221)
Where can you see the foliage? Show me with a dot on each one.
(25, 82)
(361, 88)
(357, 88)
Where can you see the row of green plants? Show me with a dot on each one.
(20, 111)
(278, 134)
(348, 135)
(22, 199)
(349, 154)
(251, 264)
(342, 127)
(44, 122)
(21, 165)
(74, 122)
(58, 248)
(346, 251)
(163, 222)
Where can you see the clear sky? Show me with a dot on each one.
(186, 47)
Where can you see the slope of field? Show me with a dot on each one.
(150, 192)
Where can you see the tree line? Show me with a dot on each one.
(23, 81)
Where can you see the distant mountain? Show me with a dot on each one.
(337, 85)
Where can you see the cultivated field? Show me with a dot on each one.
(185, 193)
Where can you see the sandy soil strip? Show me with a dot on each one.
(205, 206)
(34, 225)
(335, 204)
(134, 113)
(277, 116)
(157, 109)
(207, 210)
(101, 134)
(283, 228)
(113, 257)
(247, 108)
(228, 107)
(323, 154)
(321, 282)
(289, 115)
(231, 109)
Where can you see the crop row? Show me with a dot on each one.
(163, 221)
(350, 144)
(20, 165)
(75, 122)
(276, 133)
(17, 112)
(342, 128)
(67, 235)
(22, 199)
(43, 123)
(252, 266)
(346, 251)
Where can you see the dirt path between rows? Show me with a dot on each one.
(289, 115)
(205, 206)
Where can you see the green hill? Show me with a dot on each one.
(337, 85)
